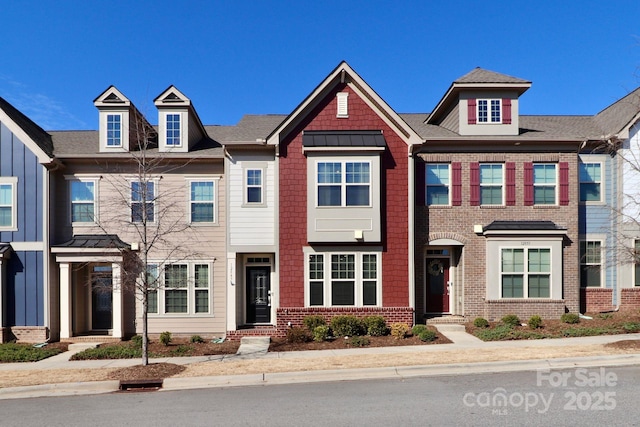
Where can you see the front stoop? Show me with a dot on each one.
(445, 319)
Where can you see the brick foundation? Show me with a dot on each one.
(297, 314)
(547, 309)
(630, 299)
(30, 334)
(596, 300)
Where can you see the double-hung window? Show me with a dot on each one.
(437, 182)
(173, 130)
(143, 201)
(544, 183)
(114, 130)
(343, 279)
(181, 288)
(8, 203)
(344, 183)
(489, 111)
(491, 184)
(254, 186)
(202, 203)
(590, 182)
(83, 201)
(525, 272)
(590, 263)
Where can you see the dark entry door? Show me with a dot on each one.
(101, 297)
(437, 285)
(258, 295)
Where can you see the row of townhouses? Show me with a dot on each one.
(341, 207)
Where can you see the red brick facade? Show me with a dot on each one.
(595, 300)
(470, 260)
(630, 299)
(293, 203)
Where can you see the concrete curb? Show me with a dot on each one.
(61, 389)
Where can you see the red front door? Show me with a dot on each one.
(437, 274)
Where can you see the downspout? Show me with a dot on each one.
(411, 231)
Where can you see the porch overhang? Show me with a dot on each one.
(88, 248)
(445, 242)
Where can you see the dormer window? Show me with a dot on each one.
(114, 130)
(173, 130)
(489, 111)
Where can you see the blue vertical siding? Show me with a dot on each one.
(17, 160)
(25, 290)
(25, 269)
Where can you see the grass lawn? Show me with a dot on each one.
(12, 352)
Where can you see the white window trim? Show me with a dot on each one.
(502, 184)
(13, 182)
(246, 186)
(449, 186)
(597, 239)
(191, 289)
(181, 137)
(601, 182)
(526, 272)
(216, 187)
(156, 191)
(556, 184)
(343, 184)
(488, 101)
(358, 279)
(96, 197)
(106, 132)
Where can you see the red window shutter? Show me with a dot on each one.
(528, 184)
(511, 184)
(474, 180)
(471, 111)
(456, 184)
(564, 183)
(506, 111)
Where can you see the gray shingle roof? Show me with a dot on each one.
(480, 75)
(35, 132)
(618, 115)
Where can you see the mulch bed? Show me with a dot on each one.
(612, 322)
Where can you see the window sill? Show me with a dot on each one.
(493, 207)
(546, 207)
(204, 224)
(439, 206)
(254, 205)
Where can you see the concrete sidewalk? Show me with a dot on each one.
(257, 350)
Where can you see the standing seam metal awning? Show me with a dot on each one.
(343, 139)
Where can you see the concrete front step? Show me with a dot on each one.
(253, 345)
(446, 320)
(80, 346)
(256, 340)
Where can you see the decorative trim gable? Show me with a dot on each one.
(343, 73)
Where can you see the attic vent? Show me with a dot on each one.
(343, 104)
(172, 97)
(112, 98)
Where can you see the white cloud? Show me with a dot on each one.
(47, 112)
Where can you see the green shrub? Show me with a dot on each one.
(605, 316)
(376, 326)
(511, 320)
(108, 352)
(359, 341)
(417, 329)
(12, 352)
(399, 330)
(570, 318)
(535, 322)
(165, 338)
(320, 333)
(499, 333)
(631, 326)
(196, 339)
(427, 335)
(181, 350)
(313, 321)
(480, 322)
(136, 340)
(585, 332)
(346, 326)
(297, 335)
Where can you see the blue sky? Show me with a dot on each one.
(258, 57)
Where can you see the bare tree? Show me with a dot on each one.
(154, 221)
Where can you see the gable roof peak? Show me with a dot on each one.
(29, 131)
(111, 96)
